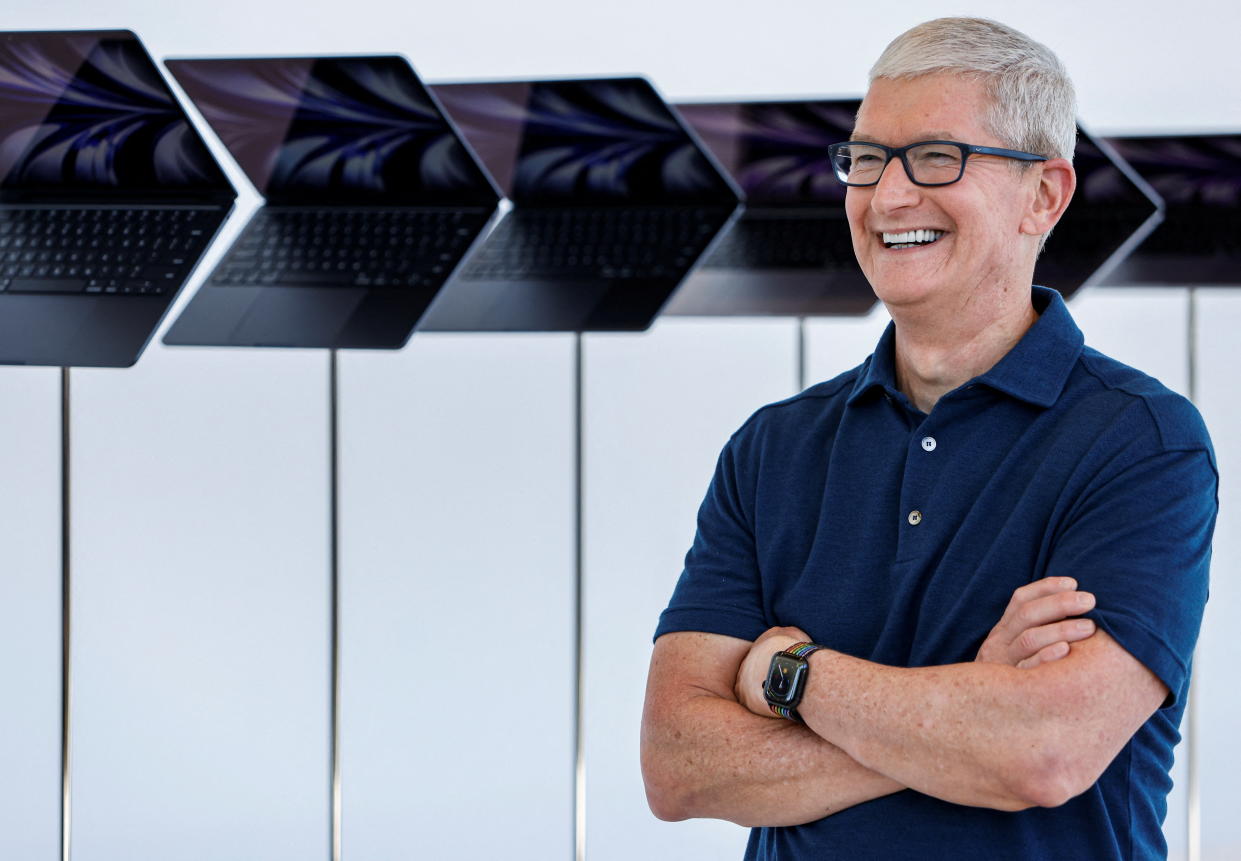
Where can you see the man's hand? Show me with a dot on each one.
(1038, 624)
(753, 670)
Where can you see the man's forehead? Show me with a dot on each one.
(861, 134)
(936, 106)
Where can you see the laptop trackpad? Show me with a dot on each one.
(297, 317)
(39, 329)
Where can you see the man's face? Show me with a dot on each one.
(982, 245)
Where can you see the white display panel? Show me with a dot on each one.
(200, 661)
(659, 408)
(30, 612)
(1219, 649)
(457, 579)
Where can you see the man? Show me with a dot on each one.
(981, 465)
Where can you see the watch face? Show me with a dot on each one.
(784, 679)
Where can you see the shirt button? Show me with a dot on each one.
(928, 443)
(915, 517)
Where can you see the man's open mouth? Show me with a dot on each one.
(911, 238)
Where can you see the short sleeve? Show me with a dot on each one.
(719, 590)
(1140, 541)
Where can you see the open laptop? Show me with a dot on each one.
(1113, 210)
(371, 201)
(790, 253)
(1199, 242)
(108, 198)
(614, 201)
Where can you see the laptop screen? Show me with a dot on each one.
(585, 142)
(1194, 171)
(89, 113)
(777, 150)
(1111, 211)
(335, 130)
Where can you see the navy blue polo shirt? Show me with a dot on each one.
(899, 537)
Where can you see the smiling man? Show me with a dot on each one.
(944, 605)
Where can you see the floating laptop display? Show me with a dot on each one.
(613, 201)
(1199, 178)
(371, 201)
(790, 252)
(1113, 210)
(108, 198)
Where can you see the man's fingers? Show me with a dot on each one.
(1034, 640)
(1048, 609)
(1054, 652)
(1042, 588)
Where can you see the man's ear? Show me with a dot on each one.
(1056, 184)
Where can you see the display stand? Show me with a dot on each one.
(65, 617)
(579, 687)
(801, 354)
(334, 610)
(1193, 801)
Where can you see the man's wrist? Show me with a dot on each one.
(787, 676)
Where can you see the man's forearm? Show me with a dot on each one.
(984, 734)
(711, 757)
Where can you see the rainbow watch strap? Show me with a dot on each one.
(801, 650)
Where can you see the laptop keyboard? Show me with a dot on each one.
(593, 243)
(130, 251)
(1204, 233)
(784, 243)
(348, 247)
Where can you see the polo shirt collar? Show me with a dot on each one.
(1035, 370)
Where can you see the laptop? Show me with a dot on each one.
(371, 201)
(613, 202)
(108, 198)
(1199, 178)
(1113, 210)
(790, 253)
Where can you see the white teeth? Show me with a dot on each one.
(912, 237)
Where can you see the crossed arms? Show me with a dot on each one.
(1033, 721)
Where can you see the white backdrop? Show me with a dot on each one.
(200, 638)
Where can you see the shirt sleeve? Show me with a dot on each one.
(1140, 541)
(719, 591)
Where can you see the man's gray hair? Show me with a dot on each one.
(1033, 107)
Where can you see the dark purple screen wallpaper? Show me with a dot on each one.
(1190, 170)
(585, 142)
(332, 130)
(777, 151)
(90, 112)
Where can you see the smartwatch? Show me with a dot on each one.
(786, 679)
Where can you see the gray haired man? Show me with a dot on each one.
(830, 669)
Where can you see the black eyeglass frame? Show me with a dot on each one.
(899, 152)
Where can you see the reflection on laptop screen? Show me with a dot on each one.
(777, 151)
(1101, 184)
(584, 142)
(82, 112)
(334, 130)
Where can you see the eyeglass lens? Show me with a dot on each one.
(862, 164)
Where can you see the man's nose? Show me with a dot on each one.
(895, 189)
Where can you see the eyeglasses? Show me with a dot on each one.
(926, 162)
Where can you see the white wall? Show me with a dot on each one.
(201, 659)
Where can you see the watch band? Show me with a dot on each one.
(797, 650)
